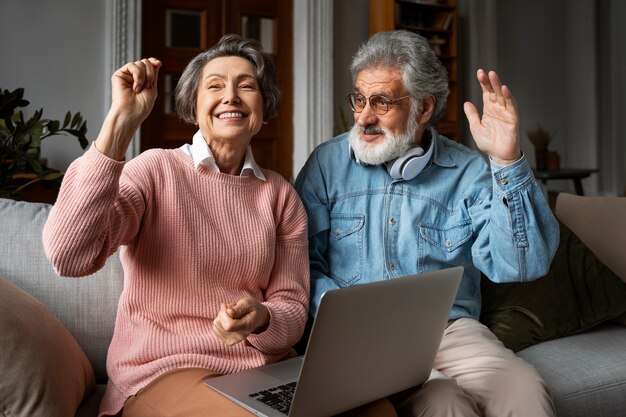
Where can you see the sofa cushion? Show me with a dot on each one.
(86, 306)
(578, 293)
(586, 372)
(44, 371)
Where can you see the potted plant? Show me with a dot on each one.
(20, 144)
(540, 137)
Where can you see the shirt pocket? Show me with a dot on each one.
(345, 252)
(444, 247)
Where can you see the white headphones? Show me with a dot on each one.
(409, 165)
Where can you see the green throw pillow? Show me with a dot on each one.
(578, 293)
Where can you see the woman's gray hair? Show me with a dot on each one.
(423, 73)
(229, 45)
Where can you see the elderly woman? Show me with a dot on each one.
(214, 248)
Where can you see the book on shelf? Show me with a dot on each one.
(437, 43)
(442, 21)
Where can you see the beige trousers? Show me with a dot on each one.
(477, 376)
(182, 393)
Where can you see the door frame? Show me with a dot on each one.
(123, 33)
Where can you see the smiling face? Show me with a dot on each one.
(229, 106)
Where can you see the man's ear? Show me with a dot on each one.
(427, 107)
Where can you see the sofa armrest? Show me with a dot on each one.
(600, 222)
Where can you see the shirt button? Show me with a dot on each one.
(392, 266)
(448, 242)
(504, 181)
(392, 221)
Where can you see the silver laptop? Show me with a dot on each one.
(367, 342)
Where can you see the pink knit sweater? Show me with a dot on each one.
(190, 240)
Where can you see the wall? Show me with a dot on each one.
(55, 51)
(611, 62)
(550, 66)
(530, 61)
(570, 66)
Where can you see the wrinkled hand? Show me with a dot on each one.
(134, 91)
(497, 132)
(236, 321)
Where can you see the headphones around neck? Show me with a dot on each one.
(409, 165)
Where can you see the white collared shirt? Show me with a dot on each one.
(202, 155)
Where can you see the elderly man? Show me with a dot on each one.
(392, 197)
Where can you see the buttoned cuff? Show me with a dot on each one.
(512, 178)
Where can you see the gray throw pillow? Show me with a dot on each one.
(43, 370)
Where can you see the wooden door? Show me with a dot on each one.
(177, 30)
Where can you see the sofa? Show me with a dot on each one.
(58, 329)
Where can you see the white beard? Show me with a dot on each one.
(391, 148)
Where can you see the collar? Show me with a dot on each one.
(201, 154)
(441, 155)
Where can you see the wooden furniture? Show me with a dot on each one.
(38, 192)
(436, 20)
(574, 174)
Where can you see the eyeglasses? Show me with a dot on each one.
(379, 104)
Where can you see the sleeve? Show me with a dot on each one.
(287, 295)
(309, 185)
(95, 212)
(517, 234)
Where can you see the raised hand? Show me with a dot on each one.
(135, 88)
(497, 132)
(236, 321)
(134, 91)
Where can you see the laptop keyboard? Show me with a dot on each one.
(279, 398)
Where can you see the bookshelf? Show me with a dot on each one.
(436, 20)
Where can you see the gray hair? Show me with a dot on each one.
(423, 73)
(229, 45)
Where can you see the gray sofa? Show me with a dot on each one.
(587, 372)
(86, 306)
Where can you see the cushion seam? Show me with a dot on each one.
(594, 389)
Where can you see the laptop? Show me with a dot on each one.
(367, 342)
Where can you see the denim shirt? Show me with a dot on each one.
(365, 226)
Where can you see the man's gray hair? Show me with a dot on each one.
(423, 73)
(229, 45)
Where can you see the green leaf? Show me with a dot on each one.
(76, 119)
(17, 117)
(68, 117)
(34, 164)
(38, 128)
(53, 126)
(37, 116)
(35, 142)
(10, 101)
(20, 140)
(51, 175)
